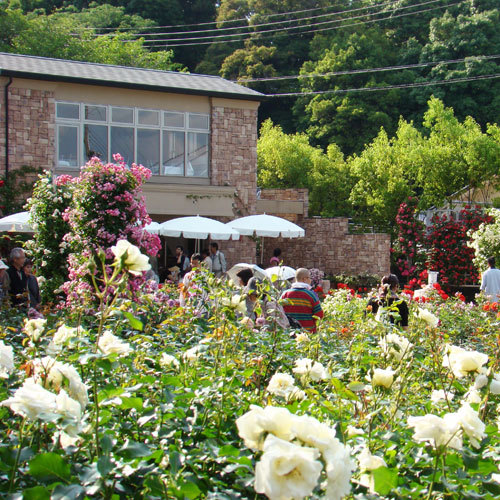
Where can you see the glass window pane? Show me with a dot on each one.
(198, 121)
(122, 115)
(148, 149)
(197, 155)
(172, 119)
(173, 153)
(148, 117)
(95, 141)
(95, 113)
(70, 111)
(122, 142)
(67, 146)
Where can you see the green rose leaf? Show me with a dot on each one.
(70, 492)
(133, 321)
(36, 493)
(385, 480)
(49, 466)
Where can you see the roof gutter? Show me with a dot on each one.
(6, 105)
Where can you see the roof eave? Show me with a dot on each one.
(128, 85)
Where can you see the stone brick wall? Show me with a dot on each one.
(234, 163)
(2, 127)
(31, 128)
(328, 245)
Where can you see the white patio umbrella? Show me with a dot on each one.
(281, 272)
(266, 226)
(199, 228)
(258, 272)
(153, 228)
(16, 223)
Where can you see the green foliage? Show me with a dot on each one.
(15, 189)
(486, 241)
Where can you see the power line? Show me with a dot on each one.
(288, 28)
(309, 31)
(370, 70)
(253, 26)
(389, 87)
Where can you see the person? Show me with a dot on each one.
(3, 281)
(301, 303)
(271, 312)
(219, 266)
(190, 288)
(276, 258)
(244, 276)
(490, 281)
(17, 279)
(388, 298)
(206, 260)
(182, 261)
(33, 288)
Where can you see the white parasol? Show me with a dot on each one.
(258, 272)
(281, 273)
(199, 228)
(17, 223)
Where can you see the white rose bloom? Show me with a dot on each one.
(473, 396)
(436, 430)
(384, 378)
(395, 345)
(109, 343)
(428, 317)
(33, 401)
(302, 337)
(315, 370)
(135, 261)
(63, 334)
(314, 433)
(168, 360)
(354, 431)
(339, 467)
(191, 355)
(368, 462)
(495, 384)
(287, 470)
(481, 381)
(471, 424)
(6, 360)
(281, 384)
(71, 412)
(461, 362)
(440, 395)
(34, 328)
(271, 419)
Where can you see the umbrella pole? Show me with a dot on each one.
(261, 250)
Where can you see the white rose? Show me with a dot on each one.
(314, 433)
(287, 470)
(339, 467)
(168, 360)
(473, 396)
(109, 343)
(6, 360)
(315, 370)
(191, 355)
(461, 362)
(440, 395)
(436, 430)
(428, 317)
(495, 384)
(135, 261)
(354, 431)
(33, 401)
(302, 337)
(253, 425)
(368, 462)
(281, 384)
(63, 334)
(481, 381)
(34, 328)
(382, 377)
(395, 345)
(471, 424)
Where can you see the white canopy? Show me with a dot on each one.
(281, 272)
(266, 225)
(258, 272)
(16, 223)
(153, 228)
(199, 228)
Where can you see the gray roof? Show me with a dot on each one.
(44, 68)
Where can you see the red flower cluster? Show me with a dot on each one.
(493, 306)
(448, 250)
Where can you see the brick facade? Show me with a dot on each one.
(328, 245)
(234, 163)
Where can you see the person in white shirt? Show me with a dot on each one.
(219, 267)
(490, 282)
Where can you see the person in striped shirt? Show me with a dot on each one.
(301, 303)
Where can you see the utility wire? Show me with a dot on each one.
(389, 87)
(288, 28)
(169, 45)
(369, 70)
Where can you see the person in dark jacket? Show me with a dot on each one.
(33, 288)
(18, 281)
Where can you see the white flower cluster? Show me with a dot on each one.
(312, 369)
(283, 385)
(396, 346)
(461, 362)
(448, 430)
(33, 328)
(296, 450)
(382, 377)
(134, 261)
(6, 360)
(428, 317)
(109, 344)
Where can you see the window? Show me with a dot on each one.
(169, 143)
